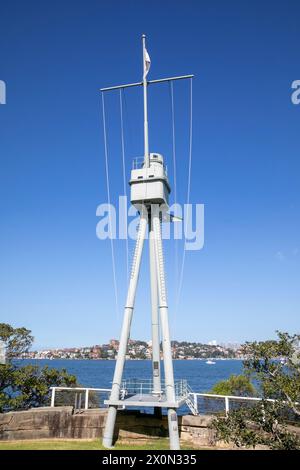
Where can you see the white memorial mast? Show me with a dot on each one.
(150, 195)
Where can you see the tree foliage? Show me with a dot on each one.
(16, 340)
(275, 366)
(237, 385)
(260, 424)
(25, 387)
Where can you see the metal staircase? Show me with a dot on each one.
(190, 403)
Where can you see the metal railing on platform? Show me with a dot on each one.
(146, 387)
(208, 403)
(139, 162)
(79, 397)
(198, 403)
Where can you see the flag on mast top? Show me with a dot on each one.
(147, 61)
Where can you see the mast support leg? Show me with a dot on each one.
(154, 314)
(167, 350)
(125, 333)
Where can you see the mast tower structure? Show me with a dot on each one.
(150, 191)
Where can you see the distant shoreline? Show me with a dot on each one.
(110, 360)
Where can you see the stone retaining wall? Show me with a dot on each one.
(63, 422)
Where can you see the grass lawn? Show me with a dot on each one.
(80, 444)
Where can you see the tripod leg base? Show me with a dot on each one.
(173, 429)
(108, 435)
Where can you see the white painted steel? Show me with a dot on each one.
(226, 406)
(154, 311)
(76, 389)
(53, 397)
(146, 137)
(166, 342)
(229, 398)
(149, 82)
(192, 396)
(86, 401)
(149, 185)
(125, 332)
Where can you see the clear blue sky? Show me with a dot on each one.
(55, 275)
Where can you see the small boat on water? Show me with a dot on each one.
(209, 361)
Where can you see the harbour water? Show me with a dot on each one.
(98, 373)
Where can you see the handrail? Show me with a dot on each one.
(181, 384)
(77, 389)
(82, 388)
(232, 397)
(227, 399)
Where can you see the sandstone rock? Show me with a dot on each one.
(62, 422)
